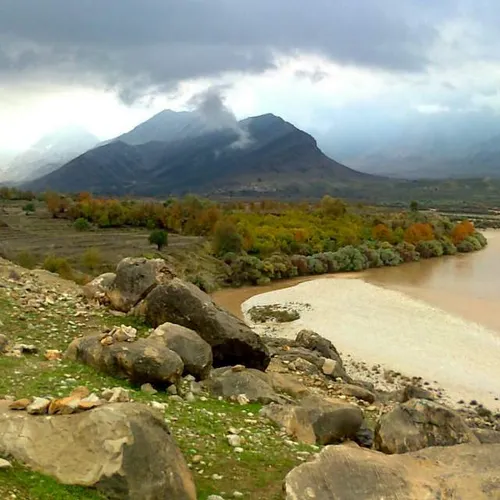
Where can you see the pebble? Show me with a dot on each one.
(237, 494)
(215, 497)
(5, 464)
(148, 389)
(234, 440)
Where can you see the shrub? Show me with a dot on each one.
(246, 269)
(448, 247)
(27, 260)
(226, 238)
(91, 259)
(419, 232)
(481, 238)
(29, 208)
(407, 252)
(349, 258)
(372, 256)
(382, 233)
(469, 244)
(315, 265)
(159, 238)
(390, 257)
(300, 263)
(81, 224)
(429, 249)
(58, 265)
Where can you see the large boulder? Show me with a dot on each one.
(141, 361)
(317, 421)
(98, 287)
(232, 341)
(123, 450)
(418, 424)
(230, 382)
(352, 473)
(195, 353)
(135, 278)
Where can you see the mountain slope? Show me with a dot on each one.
(261, 154)
(49, 153)
(166, 126)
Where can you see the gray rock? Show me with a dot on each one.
(148, 389)
(141, 361)
(317, 421)
(135, 278)
(487, 436)
(99, 286)
(254, 384)
(123, 450)
(419, 424)
(5, 464)
(356, 392)
(352, 473)
(232, 341)
(195, 353)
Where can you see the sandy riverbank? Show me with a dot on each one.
(382, 326)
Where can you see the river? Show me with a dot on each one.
(438, 318)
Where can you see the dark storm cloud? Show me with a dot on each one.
(138, 45)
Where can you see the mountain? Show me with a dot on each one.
(49, 153)
(257, 155)
(166, 126)
(438, 146)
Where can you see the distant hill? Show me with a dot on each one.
(49, 153)
(263, 154)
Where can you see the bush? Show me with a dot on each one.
(390, 257)
(246, 269)
(81, 224)
(27, 260)
(273, 312)
(226, 238)
(469, 244)
(372, 256)
(429, 249)
(349, 258)
(159, 238)
(448, 247)
(91, 259)
(315, 265)
(29, 208)
(300, 263)
(58, 265)
(407, 252)
(481, 238)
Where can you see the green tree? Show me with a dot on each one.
(81, 224)
(159, 238)
(226, 238)
(414, 206)
(29, 208)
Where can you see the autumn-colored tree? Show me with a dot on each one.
(226, 238)
(461, 231)
(382, 233)
(332, 207)
(418, 232)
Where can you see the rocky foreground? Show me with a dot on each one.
(140, 387)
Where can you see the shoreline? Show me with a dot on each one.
(375, 325)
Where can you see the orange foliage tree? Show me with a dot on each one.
(461, 231)
(382, 233)
(419, 232)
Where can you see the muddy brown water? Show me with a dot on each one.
(467, 285)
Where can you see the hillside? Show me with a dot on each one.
(49, 153)
(264, 154)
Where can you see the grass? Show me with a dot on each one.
(200, 428)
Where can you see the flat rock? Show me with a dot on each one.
(254, 384)
(232, 341)
(352, 473)
(123, 450)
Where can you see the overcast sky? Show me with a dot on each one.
(108, 64)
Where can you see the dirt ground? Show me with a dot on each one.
(40, 235)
